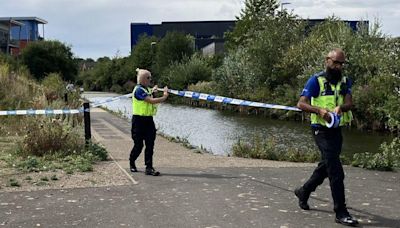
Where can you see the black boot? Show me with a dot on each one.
(303, 198)
(152, 172)
(345, 218)
(133, 168)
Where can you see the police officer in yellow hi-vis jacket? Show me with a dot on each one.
(327, 96)
(143, 128)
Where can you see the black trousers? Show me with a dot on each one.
(329, 142)
(143, 130)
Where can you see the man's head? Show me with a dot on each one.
(334, 62)
(143, 77)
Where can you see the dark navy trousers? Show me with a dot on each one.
(143, 130)
(329, 142)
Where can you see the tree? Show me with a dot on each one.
(143, 54)
(46, 57)
(252, 18)
(173, 48)
(264, 34)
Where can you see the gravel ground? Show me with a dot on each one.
(104, 174)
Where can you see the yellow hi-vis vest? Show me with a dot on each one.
(141, 107)
(330, 97)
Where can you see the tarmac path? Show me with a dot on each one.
(200, 190)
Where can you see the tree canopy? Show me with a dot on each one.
(45, 57)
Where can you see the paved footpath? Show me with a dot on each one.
(200, 190)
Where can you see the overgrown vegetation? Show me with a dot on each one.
(78, 161)
(258, 147)
(41, 143)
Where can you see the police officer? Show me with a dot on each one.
(143, 128)
(328, 94)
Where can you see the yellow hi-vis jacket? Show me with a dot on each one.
(330, 96)
(141, 107)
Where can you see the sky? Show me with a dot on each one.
(97, 28)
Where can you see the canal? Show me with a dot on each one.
(217, 131)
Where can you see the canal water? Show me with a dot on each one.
(217, 131)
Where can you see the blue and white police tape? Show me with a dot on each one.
(207, 97)
(99, 103)
(42, 112)
(335, 120)
(228, 100)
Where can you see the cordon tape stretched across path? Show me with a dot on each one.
(189, 94)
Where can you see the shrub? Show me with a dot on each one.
(386, 159)
(180, 75)
(116, 89)
(97, 150)
(237, 75)
(48, 136)
(260, 148)
(203, 87)
(54, 87)
(30, 164)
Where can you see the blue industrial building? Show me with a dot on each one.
(204, 32)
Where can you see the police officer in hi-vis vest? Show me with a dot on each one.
(143, 128)
(327, 96)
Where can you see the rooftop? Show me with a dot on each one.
(10, 20)
(39, 20)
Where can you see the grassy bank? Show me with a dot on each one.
(386, 159)
(41, 143)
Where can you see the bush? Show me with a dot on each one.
(255, 149)
(387, 159)
(54, 87)
(203, 87)
(237, 75)
(180, 75)
(269, 149)
(117, 89)
(47, 136)
(97, 150)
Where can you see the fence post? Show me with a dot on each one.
(86, 119)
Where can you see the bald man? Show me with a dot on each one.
(143, 128)
(327, 96)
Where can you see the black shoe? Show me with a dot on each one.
(301, 195)
(346, 220)
(152, 172)
(133, 168)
